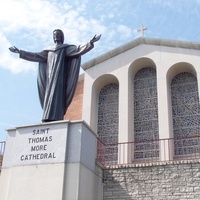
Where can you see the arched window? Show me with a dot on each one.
(145, 114)
(108, 119)
(185, 113)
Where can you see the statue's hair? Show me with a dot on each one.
(62, 34)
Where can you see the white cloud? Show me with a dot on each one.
(124, 31)
(40, 17)
(32, 14)
(10, 61)
(28, 24)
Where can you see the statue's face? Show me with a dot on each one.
(57, 37)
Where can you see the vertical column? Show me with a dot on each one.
(89, 103)
(125, 116)
(198, 82)
(164, 115)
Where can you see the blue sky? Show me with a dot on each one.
(28, 24)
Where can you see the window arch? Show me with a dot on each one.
(107, 127)
(185, 113)
(145, 114)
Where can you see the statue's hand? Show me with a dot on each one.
(14, 49)
(95, 38)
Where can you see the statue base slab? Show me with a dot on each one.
(54, 161)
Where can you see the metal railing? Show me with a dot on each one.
(160, 150)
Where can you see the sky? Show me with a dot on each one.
(28, 25)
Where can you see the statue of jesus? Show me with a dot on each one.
(58, 74)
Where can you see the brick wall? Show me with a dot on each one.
(160, 182)
(74, 112)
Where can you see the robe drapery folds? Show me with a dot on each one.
(57, 77)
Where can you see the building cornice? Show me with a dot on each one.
(140, 41)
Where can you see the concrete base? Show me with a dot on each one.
(54, 161)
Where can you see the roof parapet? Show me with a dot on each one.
(137, 42)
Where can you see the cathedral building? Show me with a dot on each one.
(142, 101)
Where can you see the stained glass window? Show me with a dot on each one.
(186, 113)
(145, 114)
(108, 119)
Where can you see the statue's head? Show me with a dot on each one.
(58, 35)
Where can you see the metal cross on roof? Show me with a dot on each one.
(142, 29)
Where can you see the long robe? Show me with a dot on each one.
(57, 77)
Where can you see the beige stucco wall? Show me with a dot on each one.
(120, 65)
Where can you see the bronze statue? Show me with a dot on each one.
(58, 74)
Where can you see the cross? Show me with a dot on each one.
(142, 29)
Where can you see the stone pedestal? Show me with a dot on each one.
(54, 161)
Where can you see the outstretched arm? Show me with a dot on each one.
(34, 57)
(14, 49)
(87, 47)
(95, 38)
